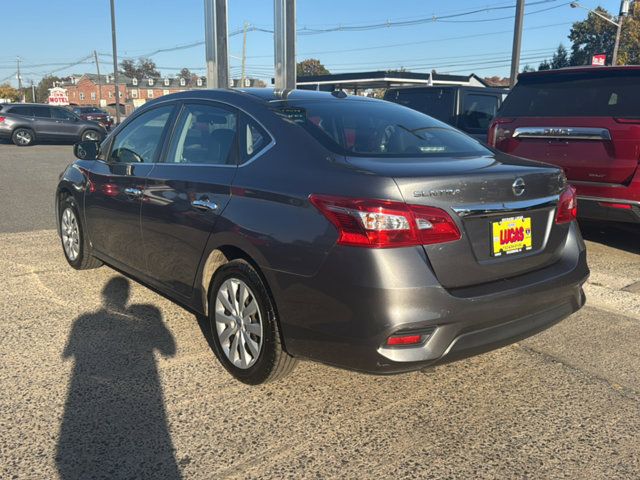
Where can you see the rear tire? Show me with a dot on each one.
(75, 245)
(23, 137)
(244, 326)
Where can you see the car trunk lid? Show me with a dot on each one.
(479, 192)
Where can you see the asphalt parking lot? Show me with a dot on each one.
(97, 366)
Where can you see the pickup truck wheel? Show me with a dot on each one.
(244, 327)
(23, 137)
(91, 136)
(77, 249)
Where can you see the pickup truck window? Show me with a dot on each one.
(435, 102)
(478, 110)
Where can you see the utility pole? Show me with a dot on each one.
(20, 81)
(95, 56)
(33, 92)
(285, 44)
(115, 61)
(244, 53)
(215, 39)
(517, 42)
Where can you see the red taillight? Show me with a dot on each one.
(404, 340)
(2, 119)
(621, 206)
(385, 223)
(497, 132)
(567, 206)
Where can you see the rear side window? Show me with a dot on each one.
(42, 112)
(378, 129)
(592, 94)
(139, 141)
(26, 111)
(478, 111)
(205, 134)
(435, 102)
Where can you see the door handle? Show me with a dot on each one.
(133, 192)
(204, 205)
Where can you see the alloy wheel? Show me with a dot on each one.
(23, 137)
(238, 323)
(70, 234)
(91, 136)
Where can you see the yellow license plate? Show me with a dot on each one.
(511, 235)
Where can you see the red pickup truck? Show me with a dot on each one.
(587, 121)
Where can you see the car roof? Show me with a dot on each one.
(261, 95)
(471, 88)
(580, 69)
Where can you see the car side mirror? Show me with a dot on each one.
(88, 150)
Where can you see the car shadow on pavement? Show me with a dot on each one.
(114, 423)
(616, 235)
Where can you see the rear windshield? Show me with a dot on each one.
(377, 128)
(435, 102)
(593, 94)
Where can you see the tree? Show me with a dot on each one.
(9, 93)
(544, 65)
(528, 68)
(311, 67)
(595, 35)
(560, 59)
(144, 67)
(42, 90)
(185, 73)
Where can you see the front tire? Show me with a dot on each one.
(91, 136)
(75, 245)
(244, 326)
(23, 137)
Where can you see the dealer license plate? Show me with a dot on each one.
(511, 235)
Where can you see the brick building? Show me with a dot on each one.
(88, 89)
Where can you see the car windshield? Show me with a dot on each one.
(576, 94)
(90, 110)
(377, 129)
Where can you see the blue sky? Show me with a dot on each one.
(38, 31)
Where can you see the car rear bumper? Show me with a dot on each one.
(344, 315)
(612, 202)
(610, 209)
(5, 132)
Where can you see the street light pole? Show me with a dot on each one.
(115, 61)
(624, 10)
(616, 45)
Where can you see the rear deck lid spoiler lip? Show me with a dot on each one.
(573, 133)
(489, 209)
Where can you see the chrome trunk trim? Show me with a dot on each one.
(563, 133)
(488, 209)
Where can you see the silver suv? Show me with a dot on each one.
(25, 123)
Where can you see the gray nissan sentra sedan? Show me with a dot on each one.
(310, 225)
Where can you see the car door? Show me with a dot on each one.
(186, 193)
(68, 125)
(476, 113)
(113, 200)
(45, 126)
